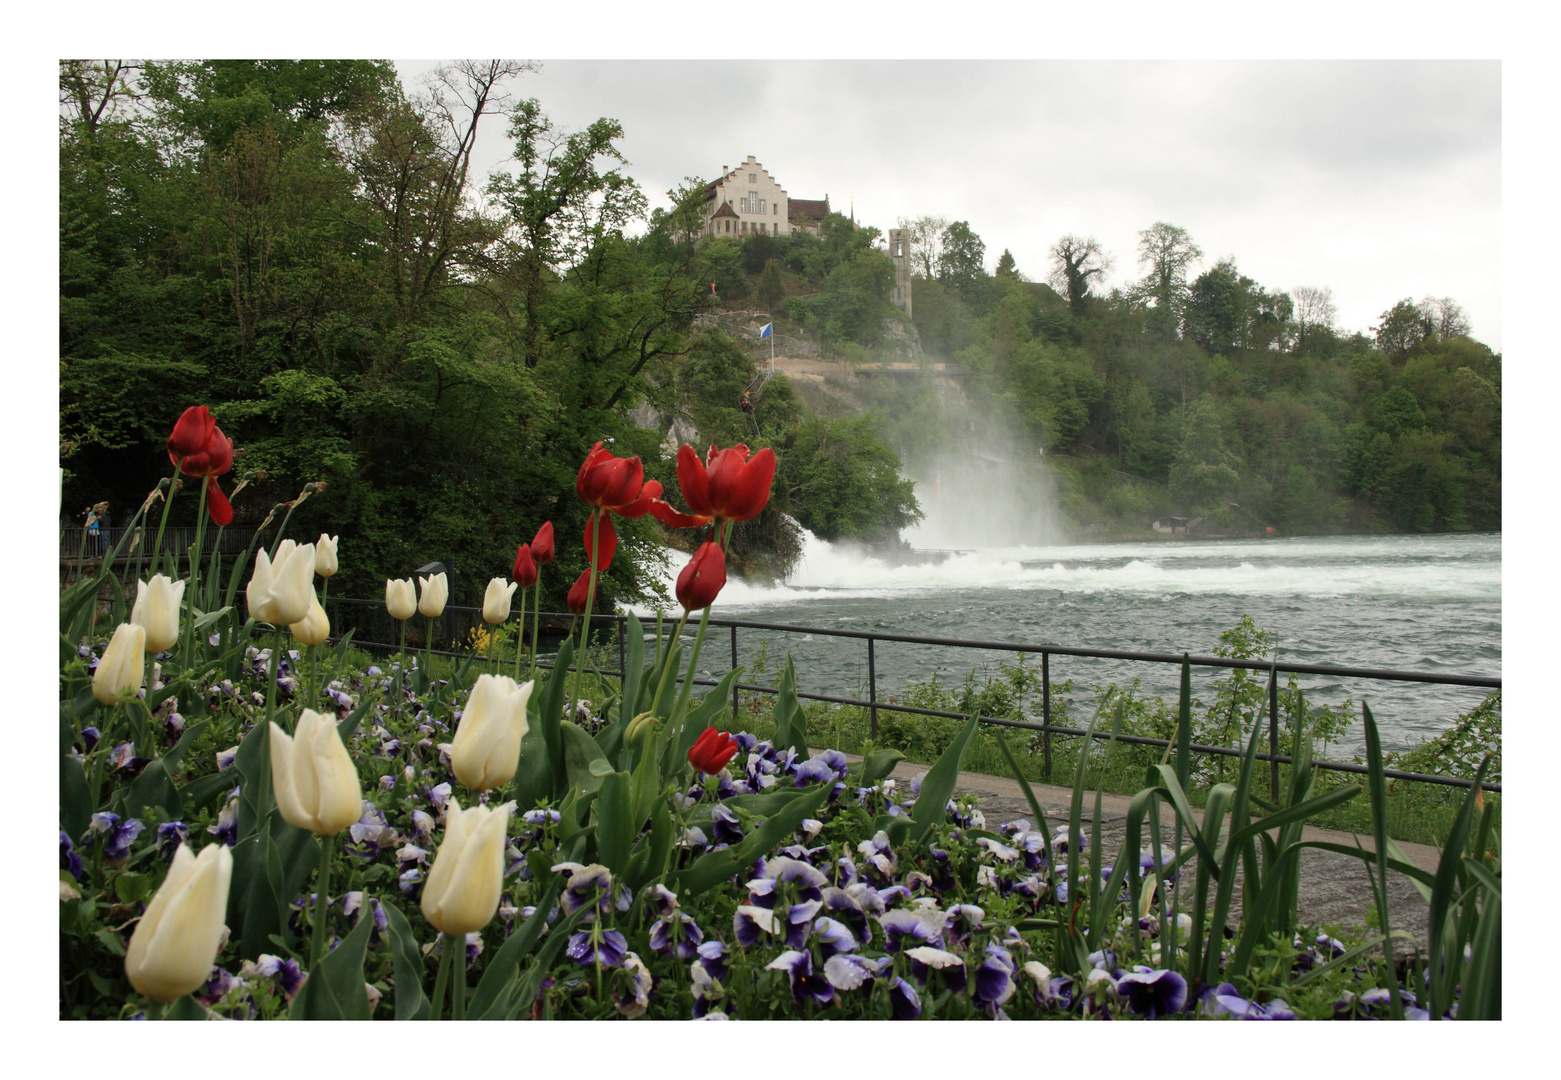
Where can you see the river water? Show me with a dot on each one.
(1424, 603)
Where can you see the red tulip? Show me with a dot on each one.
(209, 462)
(542, 546)
(579, 592)
(608, 539)
(703, 577)
(712, 750)
(524, 572)
(614, 483)
(726, 485)
(191, 432)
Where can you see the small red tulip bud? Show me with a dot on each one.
(703, 578)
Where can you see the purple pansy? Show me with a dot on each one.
(607, 949)
(69, 860)
(1153, 992)
(806, 985)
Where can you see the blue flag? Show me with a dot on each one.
(764, 331)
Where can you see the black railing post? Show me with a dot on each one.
(872, 693)
(1273, 735)
(734, 668)
(1046, 714)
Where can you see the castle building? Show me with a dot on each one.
(748, 199)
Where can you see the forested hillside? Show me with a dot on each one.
(306, 249)
(310, 251)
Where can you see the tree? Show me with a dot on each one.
(1403, 327)
(557, 202)
(1006, 268)
(1075, 260)
(92, 91)
(925, 237)
(1221, 307)
(1445, 316)
(1204, 475)
(962, 260)
(1168, 252)
(772, 290)
(1315, 313)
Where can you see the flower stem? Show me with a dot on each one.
(667, 670)
(401, 671)
(458, 983)
(590, 601)
(428, 661)
(191, 590)
(173, 488)
(536, 610)
(520, 634)
(276, 650)
(442, 979)
(322, 885)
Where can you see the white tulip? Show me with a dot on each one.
(495, 602)
(157, 610)
(467, 877)
(122, 667)
(325, 555)
(314, 628)
(177, 940)
(436, 590)
(486, 748)
(259, 587)
(316, 783)
(282, 588)
(400, 598)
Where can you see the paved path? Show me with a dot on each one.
(1335, 889)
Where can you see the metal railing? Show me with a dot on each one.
(459, 622)
(76, 542)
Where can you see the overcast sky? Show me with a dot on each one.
(1379, 179)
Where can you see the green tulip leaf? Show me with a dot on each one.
(879, 764)
(187, 1008)
(791, 723)
(334, 990)
(490, 1000)
(938, 785)
(615, 824)
(407, 966)
(714, 867)
(580, 752)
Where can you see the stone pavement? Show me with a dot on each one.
(1335, 889)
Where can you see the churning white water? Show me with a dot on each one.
(1428, 603)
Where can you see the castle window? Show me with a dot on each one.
(753, 178)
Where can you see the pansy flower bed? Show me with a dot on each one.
(254, 827)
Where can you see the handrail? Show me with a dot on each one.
(1046, 651)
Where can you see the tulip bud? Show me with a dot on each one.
(462, 892)
(495, 602)
(315, 627)
(640, 729)
(325, 555)
(712, 750)
(542, 545)
(122, 667)
(176, 942)
(436, 590)
(579, 593)
(703, 577)
(157, 610)
(316, 783)
(400, 598)
(486, 748)
(524, 572)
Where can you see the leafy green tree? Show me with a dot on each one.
(1005, 266)
(772, 287)
(1403, 327)
(962, 261)
(1167, 251)
(1204, 475)
(842, 483)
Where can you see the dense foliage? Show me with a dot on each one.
(306, 247)
(1205, 393)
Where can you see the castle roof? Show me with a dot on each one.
(725, 210)
(807, 209)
